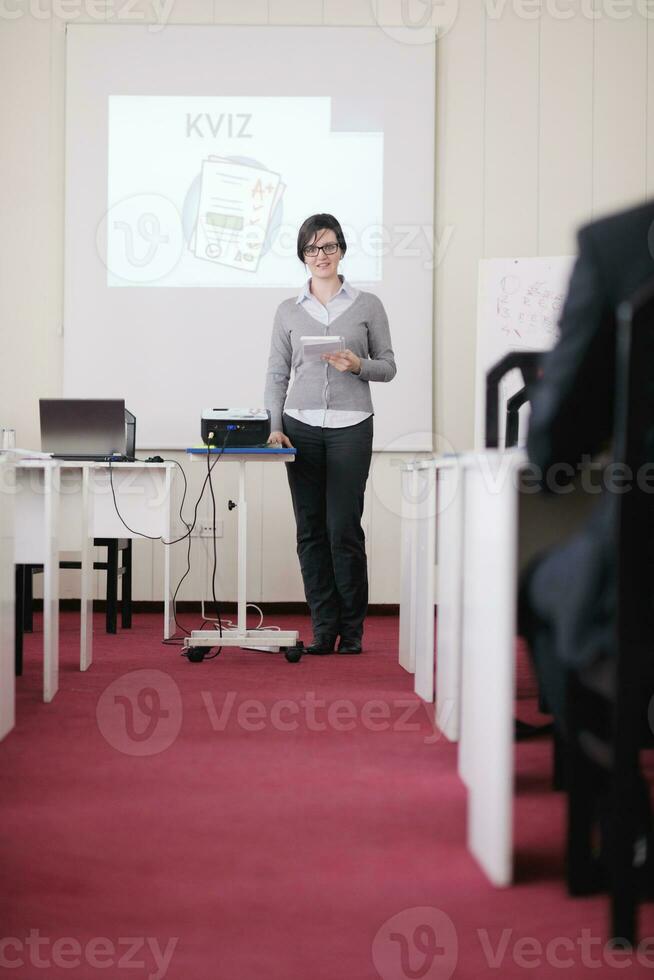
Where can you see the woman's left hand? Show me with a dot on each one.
(344, 360)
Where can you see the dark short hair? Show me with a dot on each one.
(314, 224)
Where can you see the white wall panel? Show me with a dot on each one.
(281, 581)
(163, 13)
(619, 113)
(351, 12)
(240, 12)
(511, 135)
(31, 360)
(459, 218)
(384, 544)
(565, 144)
(295, 11)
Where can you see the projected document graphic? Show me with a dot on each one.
(237, 202)
(210, 191)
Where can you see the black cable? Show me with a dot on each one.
(179, 584)
(215, 557)
(181, 506)
(139, 534)
(174, 640)
(190, 527)
(181, 469)
(215, 554)
(188, 553)
(188, 535)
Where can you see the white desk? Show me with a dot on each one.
(62, 506)
(408, 546)
(476, 516)
(143, 496)
(449, 588)
(506, 525)
(242, 636)
(76, 509)
(426, 484)
(36, 542)
(432, 519)
(7, 584)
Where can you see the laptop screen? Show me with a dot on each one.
(83, 426)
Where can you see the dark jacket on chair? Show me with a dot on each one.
(567, 599)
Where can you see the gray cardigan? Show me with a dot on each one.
(316, 384)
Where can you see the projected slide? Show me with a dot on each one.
(210, 191)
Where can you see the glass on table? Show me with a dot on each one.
(7, 439)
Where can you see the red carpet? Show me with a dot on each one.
(246, 818)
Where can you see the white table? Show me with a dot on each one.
(242, 636)
(475, 516)
(76, 531)
(62, 506)
(426, 486)
(409, 535)
(36, 542)
(7, 597)
(506, 525)
(143, 496)
(431, 541)
(449, 590)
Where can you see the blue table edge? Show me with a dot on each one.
(243, 451)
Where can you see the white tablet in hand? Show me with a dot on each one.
(314, 347)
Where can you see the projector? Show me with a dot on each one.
(235, 427)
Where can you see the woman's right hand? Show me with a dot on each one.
(279, 439)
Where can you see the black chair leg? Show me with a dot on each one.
(126, 589)
(19, 620)
(559, 775)
(583, 872)
(623, 886)
(581, 867)
(629, 817)
(112, 585)
(28, 599)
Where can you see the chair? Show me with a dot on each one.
(606, 713)
(528, 363)
(118, 564)
(513, 406)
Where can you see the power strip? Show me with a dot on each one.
(234, 629)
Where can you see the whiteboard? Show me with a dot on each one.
(155, 121)
(519, 304)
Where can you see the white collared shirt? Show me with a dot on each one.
(327, 418)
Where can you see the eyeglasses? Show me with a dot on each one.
(329, 249)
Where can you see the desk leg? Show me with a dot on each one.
(242, 551)
(450, 583)
(407, 572)
(488, 644)
(7, 608)
(424, 584)
(86, 587)
(168, 606)
(169, 626)
(19, 618)
(51, 583)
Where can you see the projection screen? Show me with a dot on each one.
(193, 154)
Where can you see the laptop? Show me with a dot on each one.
(95, 429)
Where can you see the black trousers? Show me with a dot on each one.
(327, 481)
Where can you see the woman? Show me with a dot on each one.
(327, 417)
